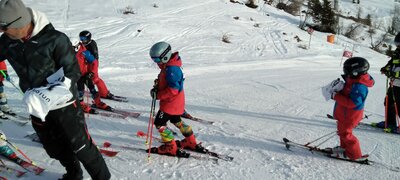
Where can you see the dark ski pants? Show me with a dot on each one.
(65, 137)
(393, 93)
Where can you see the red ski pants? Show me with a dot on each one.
(347, 140)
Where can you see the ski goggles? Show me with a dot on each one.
(4, 26)
(84, 39)
(156, 59)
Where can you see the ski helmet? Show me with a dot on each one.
(160, 52)
(85, 36)
(355, 66)
(397, 39)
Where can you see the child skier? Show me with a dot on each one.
(85, 59)
(4, 108)
(392, 71)
(169, 90)
(349, 106)
(93, 67)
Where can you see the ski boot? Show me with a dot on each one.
(190, 143)
(74, 171)
(87, 109)
(4, 106)
(3, 116)
(109, 95)
(100, 104)
(168, 148)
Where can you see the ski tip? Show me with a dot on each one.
(140, 134)
(20, 173)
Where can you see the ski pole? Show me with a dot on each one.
(386, 102)
(151, 123)
(331, 133)
(16, 148)
(152, 109)
(395, 105)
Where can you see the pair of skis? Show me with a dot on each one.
(29, 166)
(328, 153)
(212, 156)
(116, 113)
(141, 134)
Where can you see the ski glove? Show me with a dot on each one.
(329, 91)
(88, 56)
(337, 85)
(153, 92)
(90, 75)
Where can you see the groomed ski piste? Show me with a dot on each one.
(257, 89)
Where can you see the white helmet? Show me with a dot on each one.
(160, 52)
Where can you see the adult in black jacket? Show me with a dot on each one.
(36, 50)
(392, 71)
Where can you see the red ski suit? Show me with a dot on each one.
(91, 67)
(170, 86)
(3, 67)
(349, 110)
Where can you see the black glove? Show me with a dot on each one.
(90, 75)
(386, 72)
(153, 92)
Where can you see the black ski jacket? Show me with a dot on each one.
(41, 56)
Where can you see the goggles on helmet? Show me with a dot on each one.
(156, 59)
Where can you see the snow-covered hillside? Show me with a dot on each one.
(259, 88)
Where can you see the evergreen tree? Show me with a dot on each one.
(328, 16)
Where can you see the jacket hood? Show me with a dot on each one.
(365, 79)
(175, 60)
(39, 20)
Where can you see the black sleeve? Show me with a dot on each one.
(93, 49)
(65, 57)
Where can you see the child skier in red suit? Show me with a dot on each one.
(169, 90)
(85, 59)
(349, 106)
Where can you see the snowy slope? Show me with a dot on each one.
(258, 89)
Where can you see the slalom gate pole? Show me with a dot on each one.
(329, 134)
(16, 148)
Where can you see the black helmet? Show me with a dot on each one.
(355, 66)
(397, 39)
(85, 36)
